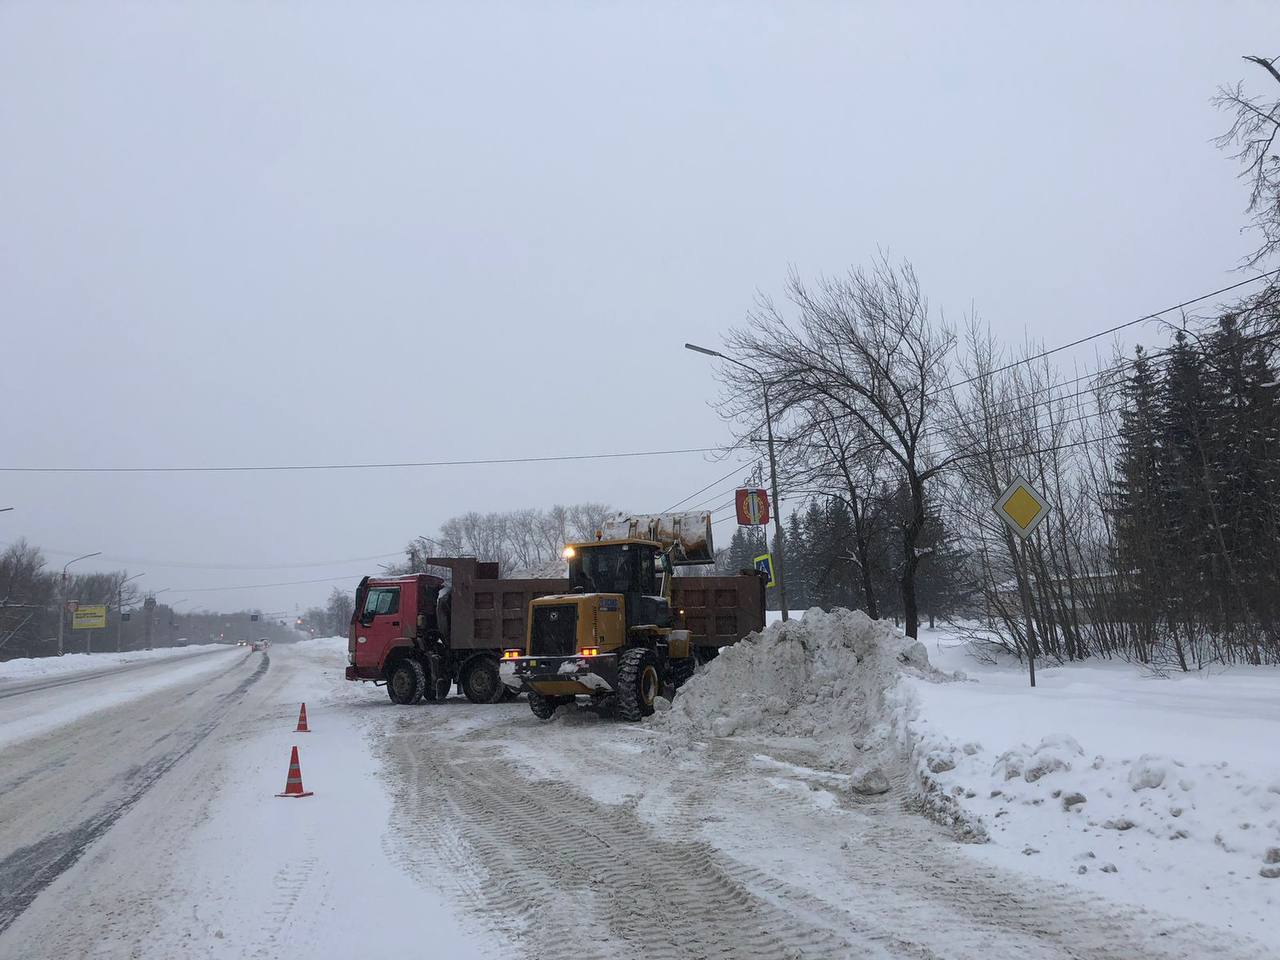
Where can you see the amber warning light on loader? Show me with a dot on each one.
(753, 507)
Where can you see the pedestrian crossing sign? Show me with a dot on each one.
(764, 564)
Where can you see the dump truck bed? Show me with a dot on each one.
(489, 612)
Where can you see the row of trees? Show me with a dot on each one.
(31, 600)
(522, 542)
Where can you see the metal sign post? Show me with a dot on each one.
(1022, 509)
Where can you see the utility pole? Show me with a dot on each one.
(148, 614)
(777, 507)
(120, 610)
(62, 595)
(778, 564)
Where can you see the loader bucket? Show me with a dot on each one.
(687, 535)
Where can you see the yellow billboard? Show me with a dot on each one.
(89, 617)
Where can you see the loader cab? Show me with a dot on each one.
(636, 569)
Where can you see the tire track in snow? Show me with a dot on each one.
(583, 879)
(27, 871)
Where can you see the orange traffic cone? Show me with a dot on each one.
(302, 721)
(293, 785)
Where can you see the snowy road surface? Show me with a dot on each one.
(147, 828)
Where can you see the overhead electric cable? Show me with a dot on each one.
(491, 461)
(1102, 333)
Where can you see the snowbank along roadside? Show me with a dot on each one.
(37, 668)
(1158, 791)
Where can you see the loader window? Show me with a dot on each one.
(381, 600)
(602, 569)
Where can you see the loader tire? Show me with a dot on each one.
(480, 680)
(638, 684)
(544, 707)
(407, 682)
(681, 670)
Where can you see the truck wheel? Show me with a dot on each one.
(638, 684)
(480, 680)
(544, 707)
(681, 670)
(407, 683)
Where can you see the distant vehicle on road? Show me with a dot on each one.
(242, 643)
(258, 645)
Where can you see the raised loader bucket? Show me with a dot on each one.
(687, 534)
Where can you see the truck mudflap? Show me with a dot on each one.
(562, 676)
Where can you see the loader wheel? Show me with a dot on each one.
(638, 684)
(480, 680)
(407, 683)
(681, 670)
(544, 707)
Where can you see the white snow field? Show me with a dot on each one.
(1159, 790)
(780, 807)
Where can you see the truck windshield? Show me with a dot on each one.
(381, 600)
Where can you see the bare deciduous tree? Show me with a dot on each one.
(1254, 130)
(865, 346)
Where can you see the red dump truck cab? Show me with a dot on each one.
(392, 618)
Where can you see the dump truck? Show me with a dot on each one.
(421, 633)
(619, 635)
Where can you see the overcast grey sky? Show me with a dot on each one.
(293, 233)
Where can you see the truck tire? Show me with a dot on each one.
(407, 682)
(544, 707)
(680, 670)
(480, 680)
(436, 679)
(638, 684)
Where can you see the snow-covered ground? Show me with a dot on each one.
(72, 687)
(34, 668)
(772, 810)
(1162, 791)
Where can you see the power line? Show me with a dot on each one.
(192, 565)
(947, 422)
(491, 461)
(257, 586)
(737, 469)
(1107, 332)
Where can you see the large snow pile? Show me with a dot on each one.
(1165, 791)
(829, 682)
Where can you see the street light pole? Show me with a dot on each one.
(778, 563)
(62, 598)
(120, 610)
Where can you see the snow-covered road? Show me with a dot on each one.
(148, 828)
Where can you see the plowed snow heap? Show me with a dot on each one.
(830, 680)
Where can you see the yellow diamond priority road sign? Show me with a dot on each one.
(1021, 507)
